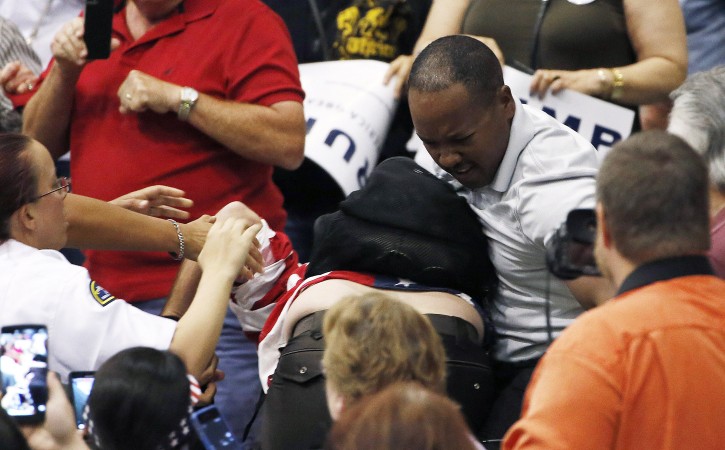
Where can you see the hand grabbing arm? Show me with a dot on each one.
(221, 259)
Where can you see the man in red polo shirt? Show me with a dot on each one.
(202, 95)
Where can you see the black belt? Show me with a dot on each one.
(446, 325)
(311, 322)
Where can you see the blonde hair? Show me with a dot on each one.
(373, 340)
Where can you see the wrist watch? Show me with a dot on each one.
(189, 96)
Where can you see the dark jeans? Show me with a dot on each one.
(295, 415)
(511, 380)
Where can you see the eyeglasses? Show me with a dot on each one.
(62, 184)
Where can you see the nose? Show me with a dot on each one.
(448, 159)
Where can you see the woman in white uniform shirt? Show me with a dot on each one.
(85, 323)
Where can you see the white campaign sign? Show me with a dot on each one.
(348, 111)
(602, 123)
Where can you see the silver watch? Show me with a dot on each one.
(189, 96)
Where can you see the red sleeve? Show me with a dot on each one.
(263, 65)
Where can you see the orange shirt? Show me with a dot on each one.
(646, 370)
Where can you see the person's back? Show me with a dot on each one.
(659, 384)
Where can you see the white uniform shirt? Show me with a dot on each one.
(547, 170)
(86, 325)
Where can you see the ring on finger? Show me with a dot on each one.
(30, 86)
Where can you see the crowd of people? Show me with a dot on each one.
(420, 311)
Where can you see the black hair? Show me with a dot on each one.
(140, 395)
(18, 180)
(457, 59)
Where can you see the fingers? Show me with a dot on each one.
(168, 212)
(68, 45)
(254, 263)
(8, 72)
(141, 92)
(207, 396)
(16, 78)
(399, 68)
(544, 80)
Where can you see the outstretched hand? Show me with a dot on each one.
(156, 201)
(227, 246)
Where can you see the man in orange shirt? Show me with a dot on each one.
(645, 370)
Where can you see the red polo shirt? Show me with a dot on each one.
(231, 49)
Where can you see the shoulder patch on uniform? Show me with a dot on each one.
(102, 296)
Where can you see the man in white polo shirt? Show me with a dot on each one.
(522, 172)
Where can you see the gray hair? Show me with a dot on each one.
(698, 117)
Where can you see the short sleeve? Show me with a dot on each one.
(544, 203)
(91, 325)
(263, 68)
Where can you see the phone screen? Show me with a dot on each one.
(24, 371)
(81, 384)
(213, 430)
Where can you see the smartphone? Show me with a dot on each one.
(81, 384)
(98, 20)
(212, 430)
(25, 371)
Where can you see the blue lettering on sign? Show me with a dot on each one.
(604, 136)
(362, 173)
(334, 135)
(310, 123)
(572, 122)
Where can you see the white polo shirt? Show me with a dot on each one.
(547, 171)
(86, 324)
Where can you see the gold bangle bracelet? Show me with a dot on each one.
(618, 84)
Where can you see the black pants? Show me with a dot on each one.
(295, 416)
(511, 380)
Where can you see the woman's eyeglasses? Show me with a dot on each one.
(62, 184)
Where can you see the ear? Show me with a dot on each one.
(602, 228)
(25, 217)
(336, 404)
(506, 98)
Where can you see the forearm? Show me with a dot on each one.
(649, 81)
(269, 134)
(95, 224)
(591, 292)
(182, 293)
(46, 117)
(444, 18)
(657, 33)
(197, 332)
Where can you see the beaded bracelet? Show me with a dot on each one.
(178, 256)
